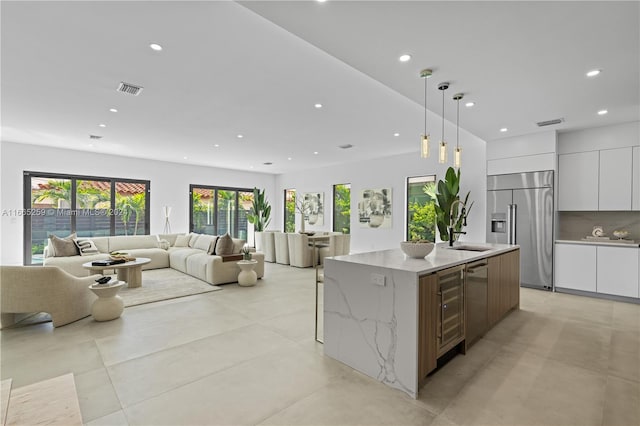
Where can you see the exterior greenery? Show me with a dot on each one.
(445, 194)
(342, 208)
(422, 219)
(289, 210)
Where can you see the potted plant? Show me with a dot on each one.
(446, 195)
(302, 206)
(246, 252)
(259, 215)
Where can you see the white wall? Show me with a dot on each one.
(390, 172)
(169, 184)
(525, 153)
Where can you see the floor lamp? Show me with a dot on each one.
(167, 225)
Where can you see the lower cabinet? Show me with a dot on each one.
(503, 292)
(598, 269)
(575, 267)
(443, 299)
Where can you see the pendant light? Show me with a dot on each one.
(457, 153)
(424, 138)
(442, 151)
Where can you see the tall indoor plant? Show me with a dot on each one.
(259, 214)
(445, 194)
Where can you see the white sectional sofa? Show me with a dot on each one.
(192, 259)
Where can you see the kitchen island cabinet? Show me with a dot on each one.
(383, 312)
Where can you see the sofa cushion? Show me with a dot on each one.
(178, 257)
(128, 242)
(206, 243)
(193, 237)
(182, 241)
(86, 246)
(169, 237)
(63, 247)
(164, 244)
(159, 257)
(224, 245)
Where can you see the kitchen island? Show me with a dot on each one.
(392, 317)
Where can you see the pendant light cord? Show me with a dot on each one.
(458, 125)
(425, 106)
(443, 114)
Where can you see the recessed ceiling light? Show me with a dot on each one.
(315, 152)
(251, 167)
(593, 73)
(216, 145)
(318, 106)
(90, 145)
(603, 112)
(102, 125)
(239, 136)
(321, 1)
(396, 134)
(155, 46)
(504, 129)
(289, 158)
(113, 110)
(469, 104)
(404, 58)
(184, 158)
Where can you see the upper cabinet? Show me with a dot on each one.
(635, 184)
(598, 180)
(615, 179)
(578, 181)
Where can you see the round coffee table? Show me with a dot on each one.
(108, 306)
(247, 276)
(130, 272)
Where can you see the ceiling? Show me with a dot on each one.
(258, 68)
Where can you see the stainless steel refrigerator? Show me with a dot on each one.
(520, 211)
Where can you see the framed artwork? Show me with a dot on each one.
(314, 214)
(374, 208)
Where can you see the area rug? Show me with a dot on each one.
(163, 284)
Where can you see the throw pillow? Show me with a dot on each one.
(86, 247)
(63, 247)
(237, 245)
(182, 241)
(224, 245)
(164, 244)
(193, 238)
(204, 242)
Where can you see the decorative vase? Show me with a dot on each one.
(302, 224)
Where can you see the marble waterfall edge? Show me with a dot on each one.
(372, 328)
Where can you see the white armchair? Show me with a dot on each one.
(339, 244)
(281, 248)
(300, 253)
(269, 245)
(26, 289)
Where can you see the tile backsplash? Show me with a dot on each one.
(577, 225)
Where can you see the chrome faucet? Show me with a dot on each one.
(451, 221)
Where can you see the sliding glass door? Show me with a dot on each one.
(217, 211)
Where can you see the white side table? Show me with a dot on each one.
(109, 305)
(247, 276)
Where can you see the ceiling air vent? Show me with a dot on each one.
(129, 89)
(268, 163)
(550, 122)
(95, 137)
(345, 146)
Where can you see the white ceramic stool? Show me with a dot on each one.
(247, 276)
(109, 305)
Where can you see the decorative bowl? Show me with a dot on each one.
(416, 250)
(620, 234)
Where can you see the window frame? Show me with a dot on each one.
(215, 189)
(27, 175)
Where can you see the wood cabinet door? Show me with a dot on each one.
(511, 262)
(427, 323)
(493, 291)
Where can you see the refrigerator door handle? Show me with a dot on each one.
(511, 223)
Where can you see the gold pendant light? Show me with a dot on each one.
(424, 138)
(457, 153)
(442, 151)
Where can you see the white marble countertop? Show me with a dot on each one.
(599, 243)
(441, 257)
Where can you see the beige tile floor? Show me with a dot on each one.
(248, 356)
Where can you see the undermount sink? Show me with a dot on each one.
(470, 248)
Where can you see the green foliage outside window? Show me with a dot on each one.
(342, 207)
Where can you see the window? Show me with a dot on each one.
(289, 210)
(342, 208)
(89, 206)
(421, 214)
(218, 210)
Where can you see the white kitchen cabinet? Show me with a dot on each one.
(615, 179)
(618, 271)
(575, 267)
(578, 181)
(635, 184)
